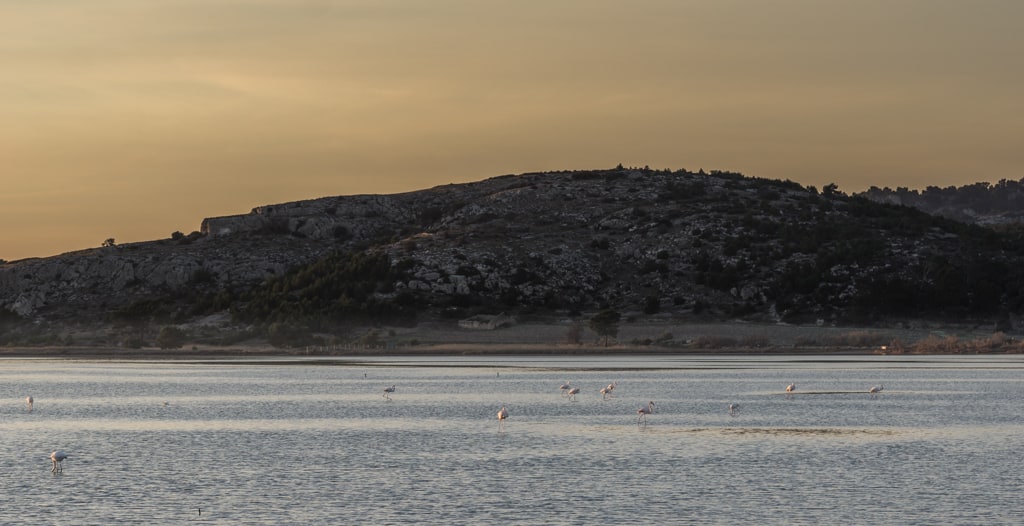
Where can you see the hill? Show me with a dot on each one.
(653, 245)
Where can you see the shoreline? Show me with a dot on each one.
(450, 350)
(550, 339)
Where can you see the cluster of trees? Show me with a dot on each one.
(938, 287)
(982, 197)
(328, 293)
(605, 323)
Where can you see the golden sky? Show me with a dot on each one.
(133, 119)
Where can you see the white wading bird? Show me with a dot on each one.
(57, 457)
(643, 412)
(502, 416)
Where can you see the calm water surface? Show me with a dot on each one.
(303, 442)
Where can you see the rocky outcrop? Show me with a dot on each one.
(94, 281)
(332, 218)
(229, 252)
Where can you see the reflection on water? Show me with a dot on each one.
(293, 441)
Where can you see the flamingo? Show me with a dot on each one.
(388, 391)
(876, 389)
(790, 388)
(643, 412)
(605, 392)
(502, 415)
(733, 409)
(572, 393)
(57, 457)
(565, 387)
(28, 400)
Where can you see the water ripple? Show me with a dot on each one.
(310, 443)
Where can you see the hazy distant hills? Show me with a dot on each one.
(690, 246)
(997, 204)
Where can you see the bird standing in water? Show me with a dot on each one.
(502, 416)
(57, 457)
(643, 412)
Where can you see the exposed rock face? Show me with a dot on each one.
(658, 242)
(93, 281)
(231, 252)
(321, 219)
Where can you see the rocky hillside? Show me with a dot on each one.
(647, 243)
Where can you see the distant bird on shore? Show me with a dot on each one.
(29, 401)
(388, 391)
(607, 390)
(643, 412)
(791, 387)
(564, 388)
(57, 457)
(733, 409)
(876, 389)
(572, 393)
(502, 416)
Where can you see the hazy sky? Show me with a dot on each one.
(133, 119)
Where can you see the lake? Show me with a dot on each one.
(303, 441)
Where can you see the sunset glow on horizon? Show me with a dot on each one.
(131, 120)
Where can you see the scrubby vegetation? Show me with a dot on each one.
(335, 292)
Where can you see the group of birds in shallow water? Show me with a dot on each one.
(570, 392)
(873, 390)
(567, 390)
(57, 457)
